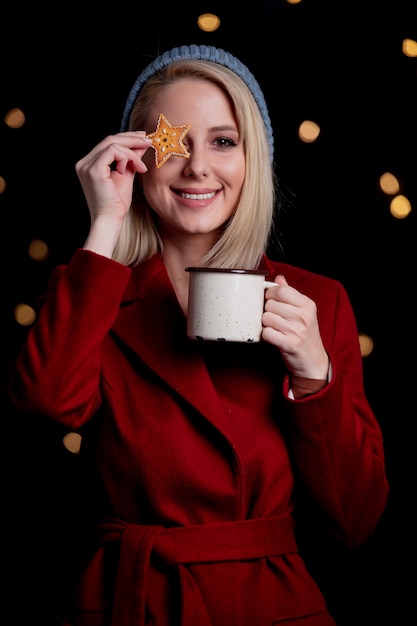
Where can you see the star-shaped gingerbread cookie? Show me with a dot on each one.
(167, 140)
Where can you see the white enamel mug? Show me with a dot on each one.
(226, 304)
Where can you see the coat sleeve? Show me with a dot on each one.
(59, 365)
(334, 436)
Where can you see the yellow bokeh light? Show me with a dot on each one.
(72, 442)
(15, 118)
(400, 207)
(24, 314)
(308, 131)
(38, 250)
(366, 344)
(389, 184)
(208, 22)
(410, 47)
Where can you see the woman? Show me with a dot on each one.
(192, 451)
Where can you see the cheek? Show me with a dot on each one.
(236, 172)
(154, 184)
(235, 167)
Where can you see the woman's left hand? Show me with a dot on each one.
(290, 323)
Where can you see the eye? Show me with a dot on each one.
(224, 142)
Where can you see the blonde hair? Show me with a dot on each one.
(246, 235)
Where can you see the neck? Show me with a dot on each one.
(181, 252)
(176, 260)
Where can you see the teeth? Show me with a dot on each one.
(198, 196)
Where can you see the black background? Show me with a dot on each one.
(337, 63)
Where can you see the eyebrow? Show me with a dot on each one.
(218, 129)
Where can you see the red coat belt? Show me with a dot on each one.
(228, 541)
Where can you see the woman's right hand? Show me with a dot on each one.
(107, 173)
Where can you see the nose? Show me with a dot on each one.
(197, 165)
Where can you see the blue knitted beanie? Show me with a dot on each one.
(205, 53)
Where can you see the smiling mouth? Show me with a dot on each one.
(198, 196)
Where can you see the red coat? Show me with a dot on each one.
(191, 449)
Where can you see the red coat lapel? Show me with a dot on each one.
(152, 324)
